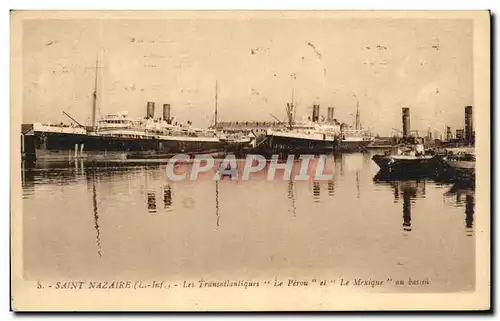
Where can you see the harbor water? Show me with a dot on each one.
(129, 221)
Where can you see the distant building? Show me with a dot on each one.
(460, 134)
(449, 136)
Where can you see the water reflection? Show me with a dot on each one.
(217, 215)
(407, 189)
(167, 197)
(412, 188)
(339, 167)
(407, 196)
(410, 191)
(151, 202)
(316, 191)
(331, 188)
(79, 166)
(126, 207)
(357, 184)
(96, 216)
(27, 181)
(291, 196)
(469, 213)
(352, 162)
(354, 168)
(463, 193)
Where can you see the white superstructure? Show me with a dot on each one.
(59, 129)
(122, 125)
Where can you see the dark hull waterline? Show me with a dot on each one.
(56, 146)
(409, 165)
(292, 144)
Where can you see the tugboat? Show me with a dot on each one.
(406, 158)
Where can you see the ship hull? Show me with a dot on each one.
(465, 167)
(236, 146)
(353, 145)
(315, 145)
(454, 165)
(408, 165)
(59, 146)
(295, 144)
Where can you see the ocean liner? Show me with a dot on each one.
(318, 136)
(116, 136)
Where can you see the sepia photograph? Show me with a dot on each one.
(250, 160)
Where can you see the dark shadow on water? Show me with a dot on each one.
(96, 213)
(385, 176)
(464, 196)
(151, 202)
(316, 191)
(357, 184)
(167, 197)
(291, 196)
(408, 188)
(411, 187)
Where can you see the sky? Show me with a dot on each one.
(382, 64)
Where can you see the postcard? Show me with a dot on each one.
(250, 160)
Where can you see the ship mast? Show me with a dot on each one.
(358, 124)
(290, 108)
(216, 91)
(94, 97)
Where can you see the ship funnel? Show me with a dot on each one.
(469, 127)
(150, 111)
(406, 122)
(329, 116)
(166, 112)
(315, 115)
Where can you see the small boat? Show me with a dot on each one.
(406, 158)
(462, 160)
